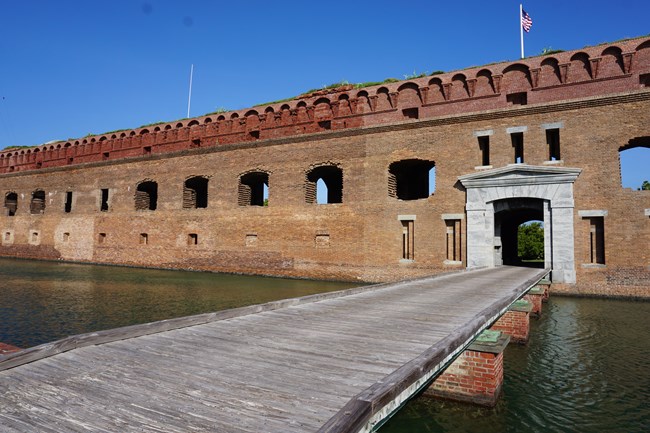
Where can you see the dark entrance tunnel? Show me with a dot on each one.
(508, 218)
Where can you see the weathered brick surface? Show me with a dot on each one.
(516, 324)
(474, 377)
(361, 131)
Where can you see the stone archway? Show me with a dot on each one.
(493, 195)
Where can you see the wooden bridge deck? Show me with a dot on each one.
(288, 366)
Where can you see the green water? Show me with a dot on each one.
(45, 301)
(585, 369)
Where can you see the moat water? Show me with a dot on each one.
(585, 369)
(45, 301)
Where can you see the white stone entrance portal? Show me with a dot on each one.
(491, 191)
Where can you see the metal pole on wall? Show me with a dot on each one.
(521, 30)
(189, 98)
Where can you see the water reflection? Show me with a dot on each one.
(585, 369)
(45, 301)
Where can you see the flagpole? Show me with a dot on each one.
(521, 28)
(189, 98)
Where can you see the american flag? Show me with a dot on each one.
(526, 21)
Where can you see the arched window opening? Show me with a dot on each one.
(11, 203)
(37, 206)
(195, 193)
(253, 189)
(146, 195)
(635, 160)
(324, 185)
(411, 179)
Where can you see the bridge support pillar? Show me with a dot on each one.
(536, 296)
(476, 376)
(515, 322)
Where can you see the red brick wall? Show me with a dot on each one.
(365, 235)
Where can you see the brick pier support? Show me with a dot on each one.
(476, 376)
(536, 296)
(515, 322)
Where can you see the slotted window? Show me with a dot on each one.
(253, 189)
(553, 141)
(484, 146)
(146, 196)
(103, 207)
(324, 185)
(517, 139)
(411, 179)
(11, 203)
(37, 206)
(597, 240)
(68, 202)
(195, 193)
(408, 240)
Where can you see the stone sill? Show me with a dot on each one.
(483, 167)
(557, 161)
(592, 265)
(453, 262)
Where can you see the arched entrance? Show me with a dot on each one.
(509, 216)
(499, 200)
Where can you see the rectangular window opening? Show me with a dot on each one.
(518, 146)
(68, 202)
(105, 156)
(101, 237)
(146, 150)
(454, 244)
(484, 146)
(255, 135)
(597, 240)
(408, 240)
(192, 239)
(325, 124)
(7, 236)
(195, 143)
(520, 98)
(644, 80)
(553, 141)
(70, 160)
(144, 238)
(103, 207)
(410, 113)
(66, 237)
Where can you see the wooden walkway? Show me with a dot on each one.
(330, 363)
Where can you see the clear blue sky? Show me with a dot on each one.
(73, 67)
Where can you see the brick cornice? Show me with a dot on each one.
(590, 102)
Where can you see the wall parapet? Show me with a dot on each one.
(621, 67)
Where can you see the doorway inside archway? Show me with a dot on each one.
(519, 232)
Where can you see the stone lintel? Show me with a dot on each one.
(453, 216)
(483, 133)
(554, 125)
(406, 217)
(516, 129)
(592, 213)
